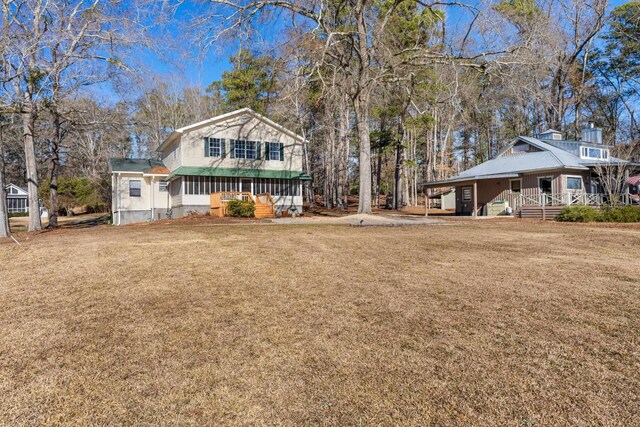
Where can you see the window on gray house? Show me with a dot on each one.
(516, 185)
(574, 183)
(135, 188)
(466, 194)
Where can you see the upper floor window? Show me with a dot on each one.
(135, 188)
(274, 151)
(594, 153)
(214, 147)
(245, 149)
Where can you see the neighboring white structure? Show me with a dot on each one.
(240, 151)
(17, 199)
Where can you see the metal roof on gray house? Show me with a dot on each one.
(551, 157)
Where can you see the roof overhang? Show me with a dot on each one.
(125, 171)
(238, 173)
(470, 179)
(456, 180)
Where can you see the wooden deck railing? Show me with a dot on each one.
(265, 199)
(219, 201)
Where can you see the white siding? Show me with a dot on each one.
(124, 201)
(191, 145)
(171, 156)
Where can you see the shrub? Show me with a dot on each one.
(241, 208)
(607, 214)
(74, 192)
(621, 214)
(579, 213)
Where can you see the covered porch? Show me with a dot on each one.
(509, 194)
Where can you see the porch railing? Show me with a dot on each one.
(555, 199)
(226, 196)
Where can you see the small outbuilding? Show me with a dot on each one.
(17, 199)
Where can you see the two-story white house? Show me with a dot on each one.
(241, 151)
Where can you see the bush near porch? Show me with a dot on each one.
(241, 208)
(607, 214)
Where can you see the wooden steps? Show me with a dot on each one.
(263, 211)
(545, 213)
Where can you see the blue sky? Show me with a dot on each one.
(186, 66)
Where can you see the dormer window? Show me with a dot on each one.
(551, 134)
(594, 153)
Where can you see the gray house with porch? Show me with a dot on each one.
(537, 172)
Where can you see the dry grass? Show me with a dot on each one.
(488, 323)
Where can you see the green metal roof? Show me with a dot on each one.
(238, 173)
(133, 165)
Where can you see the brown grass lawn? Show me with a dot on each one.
(472, 324)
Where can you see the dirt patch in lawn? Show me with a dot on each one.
(179, 323)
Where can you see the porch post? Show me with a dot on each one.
(475, 199)
(627, 200)
(153, 202)
(426, 203)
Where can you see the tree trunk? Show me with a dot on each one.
(404, 173)
(307, 184)
(343, 154)
(28, 126)
(361, 107)
(361, 100)
(378, 176)
(4, 215)
(55, 170)
(396, 177)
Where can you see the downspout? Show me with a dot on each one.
(153, 204)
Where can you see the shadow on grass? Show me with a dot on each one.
(87, 222)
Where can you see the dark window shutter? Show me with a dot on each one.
(223, 150)
(206, 147)
(281, 152)
(266, 151)
(258, 153)
(232, 148)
